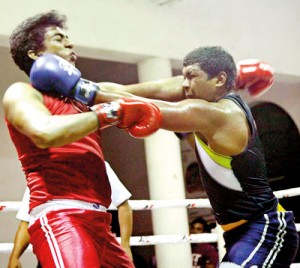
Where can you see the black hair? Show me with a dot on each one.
(30, 35)
(213, 60)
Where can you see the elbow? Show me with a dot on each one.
(42, 144)
(42, 140)
(45, 135)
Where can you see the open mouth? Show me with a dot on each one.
(73, 57)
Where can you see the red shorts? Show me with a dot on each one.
(80, 238)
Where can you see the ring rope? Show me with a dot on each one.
(7, 206)
(154, 204)
(147, 240)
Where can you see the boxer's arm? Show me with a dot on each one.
(51, 73)
(223, 124)
(25, 110)
(169, 89)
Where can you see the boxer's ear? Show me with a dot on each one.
(33, 55)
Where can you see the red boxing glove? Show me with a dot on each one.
(255, 76)
(139, 118)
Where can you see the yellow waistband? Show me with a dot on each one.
(230, 226)
(280, 208)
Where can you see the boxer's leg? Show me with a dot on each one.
(60, 239)
(271, 241)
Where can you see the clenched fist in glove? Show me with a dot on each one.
(139, 118)
(255, 76)
(51, 73)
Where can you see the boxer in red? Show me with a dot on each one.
(59, 145)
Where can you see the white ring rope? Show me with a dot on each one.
(288, 193)
(155, 204)
(148, 240)
(7, 206)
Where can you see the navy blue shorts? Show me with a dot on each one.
(270, 241)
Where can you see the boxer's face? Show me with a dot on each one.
(57, 42)
(197, 85)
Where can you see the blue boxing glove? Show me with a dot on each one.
(51, 73)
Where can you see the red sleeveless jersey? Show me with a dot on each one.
(74, 171)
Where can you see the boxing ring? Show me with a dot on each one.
(8, 206)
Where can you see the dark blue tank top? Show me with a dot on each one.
(237, 186)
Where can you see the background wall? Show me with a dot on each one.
(134, 29)
(112, 36)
